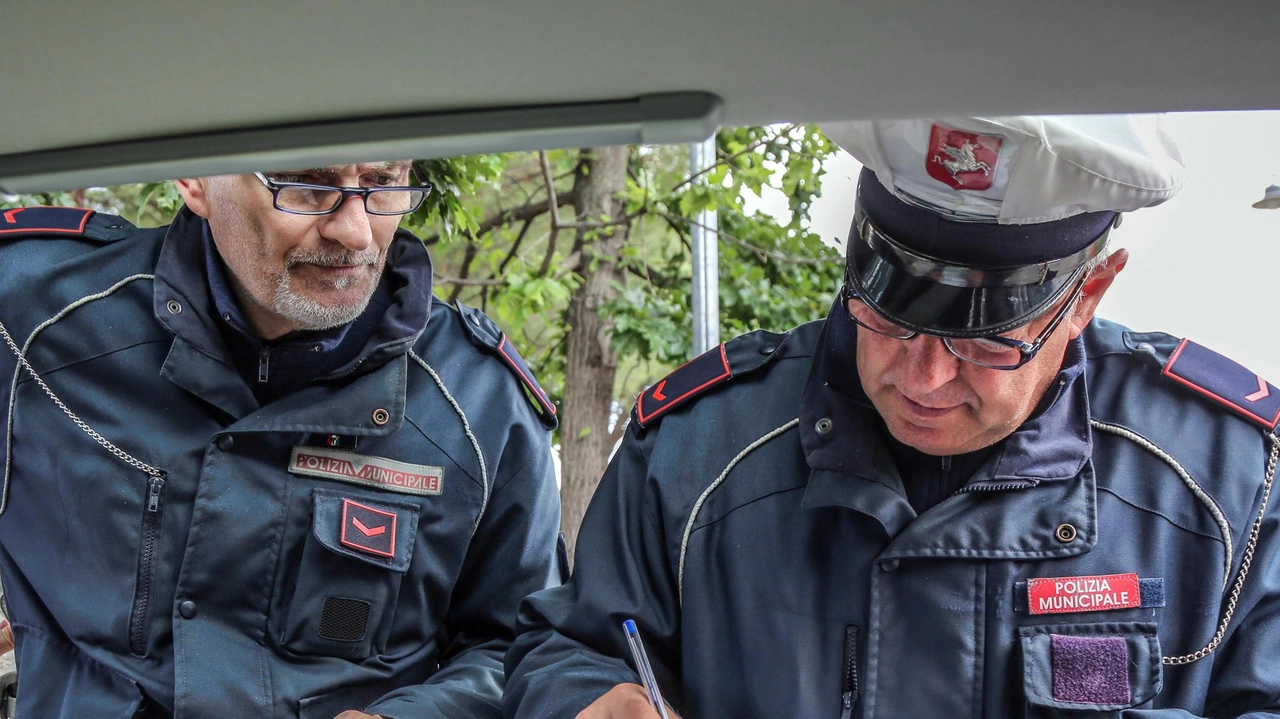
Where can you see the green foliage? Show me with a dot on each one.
(157, 204)
(454, 182)
(774, 272)
(651, 325)
(146, 205)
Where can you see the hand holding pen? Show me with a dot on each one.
(642, 666)
(632, 701)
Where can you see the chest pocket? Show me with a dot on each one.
(1075, 670)
(352, 564)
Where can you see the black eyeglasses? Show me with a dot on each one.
(994, 352)
(299, 198)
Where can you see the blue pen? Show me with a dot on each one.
(642, 666)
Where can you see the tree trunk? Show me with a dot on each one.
(590, 363)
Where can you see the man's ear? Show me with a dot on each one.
(1095, 287)
(195, 192)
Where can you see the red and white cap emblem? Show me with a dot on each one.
(962, 160)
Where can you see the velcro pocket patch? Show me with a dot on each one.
(1090, 667)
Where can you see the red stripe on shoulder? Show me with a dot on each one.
(44, 220)
(1224, 381)
(688, 380)
(517, 364)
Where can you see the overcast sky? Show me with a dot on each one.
(1204, 265)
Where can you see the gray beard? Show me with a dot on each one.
(311, 315)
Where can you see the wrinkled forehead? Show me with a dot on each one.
(389, 167)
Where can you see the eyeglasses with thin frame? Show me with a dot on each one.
(300, 198)
(994, 352)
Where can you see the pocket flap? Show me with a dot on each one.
(1099, 667)
(378, 531)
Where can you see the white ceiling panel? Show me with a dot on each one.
(178, 81)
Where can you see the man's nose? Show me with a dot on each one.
(929, 364)
(349, 225)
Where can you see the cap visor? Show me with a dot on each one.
(923, 304)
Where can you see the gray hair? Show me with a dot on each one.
(1098, 261)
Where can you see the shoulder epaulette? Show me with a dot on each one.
(41, 221)
(484, 333)
(1226, 382)
(714, 367)
(44, 221)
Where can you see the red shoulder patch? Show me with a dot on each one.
(44, 220)
(1225, 382)
(690, 379)
(517, 364)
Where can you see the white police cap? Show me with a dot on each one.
(969, 227)
(1019, 170)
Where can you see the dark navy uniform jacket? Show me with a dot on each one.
(755, 527)
(361, 542)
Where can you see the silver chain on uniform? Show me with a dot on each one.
(1245, 563)
(106, 443)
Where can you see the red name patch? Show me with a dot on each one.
(1058, 595)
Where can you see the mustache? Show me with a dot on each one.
(346, 258)
(938, 400)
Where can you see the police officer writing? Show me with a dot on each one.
(960, 495)
(253, 469)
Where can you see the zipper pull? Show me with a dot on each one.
(264, 361)
(849, 697)
(153, 493)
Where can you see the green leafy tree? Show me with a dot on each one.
(583, 256)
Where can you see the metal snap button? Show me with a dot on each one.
(889, 566)
(823, 425)
(381, 416)
(226, 442)
(1065, 533)
(187, 609)
(767, 350)
(175, 307)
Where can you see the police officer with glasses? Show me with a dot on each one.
(254, 469)
(960, 494)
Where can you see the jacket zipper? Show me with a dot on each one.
(996, 486)
(138, 619)
(849, 687)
